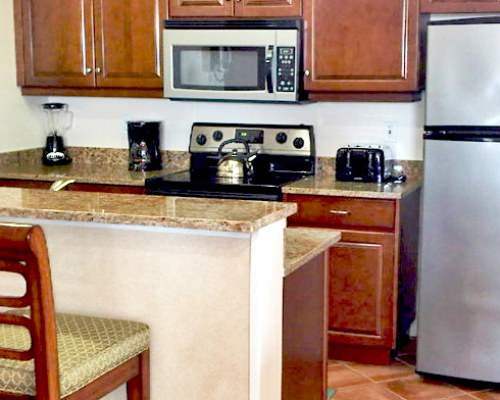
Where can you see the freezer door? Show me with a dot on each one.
(463, 74)
(459, 271)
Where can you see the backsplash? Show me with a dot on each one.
(177, 159)
(101, 122)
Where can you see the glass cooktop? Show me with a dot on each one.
(186, 183)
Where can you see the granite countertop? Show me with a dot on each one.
(326, 185)
(303, 244)
(109, 167)
(161, 211)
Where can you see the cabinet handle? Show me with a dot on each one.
(307, 72)
(339, 212)
(237, 1)
(98, 70)
(88, 70)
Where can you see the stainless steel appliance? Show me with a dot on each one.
(364, 163)
(281, 155)
(459, 272)
(57, 119)
(233, 60)
(144, 145)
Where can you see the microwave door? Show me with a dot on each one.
(270, 69)
(220, 65)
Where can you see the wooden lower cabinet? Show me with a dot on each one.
(25, 184)
(94, 187)
(82, 187)
(372, 271)
(459, 6)
(362, 292)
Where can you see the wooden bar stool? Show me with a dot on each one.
(51, 356)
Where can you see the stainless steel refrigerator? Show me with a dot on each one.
(459, 270)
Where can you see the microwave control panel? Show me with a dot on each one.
(286, 69)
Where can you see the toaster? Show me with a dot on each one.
(364, 163)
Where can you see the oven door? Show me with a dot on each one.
(227, 64)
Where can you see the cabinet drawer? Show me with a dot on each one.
(343, 212)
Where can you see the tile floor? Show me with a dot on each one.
(399, 381)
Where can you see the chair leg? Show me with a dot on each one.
(138, 387)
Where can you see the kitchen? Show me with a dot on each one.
(336, 124)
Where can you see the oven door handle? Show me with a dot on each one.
(269, 69)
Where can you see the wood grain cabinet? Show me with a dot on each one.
(98, 46)
(362, 47)
(234, 8)
(372, 271)
(459, 6)
(77, 187)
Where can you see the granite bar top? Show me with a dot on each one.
(160, 211)
(303, 244)
(326, 185)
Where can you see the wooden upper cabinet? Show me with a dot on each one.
(268, 8)
(55, 42)
(362, 46)
(234, 8)
(128, 34)
(200, 8)
(89, 44)
(459, 6)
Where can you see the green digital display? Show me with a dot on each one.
(250, 135)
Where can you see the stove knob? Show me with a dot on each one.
(201, 139)
(281, 137)
(298, 143)
(217, 136)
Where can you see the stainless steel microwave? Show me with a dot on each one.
(233, 60)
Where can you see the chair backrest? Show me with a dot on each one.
(23, 251)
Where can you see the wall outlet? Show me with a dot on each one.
(391, 131)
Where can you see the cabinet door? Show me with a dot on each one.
(128, 36)
(459, 6)
(200, 8)
(268, 8)
(361, 45)
(25, 184)
(57, 45)
(96, 187)
(363, 290)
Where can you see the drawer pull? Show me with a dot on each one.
(339, 212)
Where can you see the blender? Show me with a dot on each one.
(57, 119)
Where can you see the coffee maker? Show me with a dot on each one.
(144, 145)
(57, 119)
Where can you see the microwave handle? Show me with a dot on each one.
(269, 69)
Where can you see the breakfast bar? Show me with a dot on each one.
(206, 275)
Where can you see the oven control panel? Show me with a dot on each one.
(292, 140)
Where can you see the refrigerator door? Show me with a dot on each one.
(463, 72)
(459, 271)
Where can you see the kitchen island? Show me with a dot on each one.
(206, 275)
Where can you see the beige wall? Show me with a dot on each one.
(19, 128)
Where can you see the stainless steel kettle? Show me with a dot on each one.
(235, 165)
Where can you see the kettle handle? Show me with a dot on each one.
(236, 140)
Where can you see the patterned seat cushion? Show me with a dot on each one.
(88, 348)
